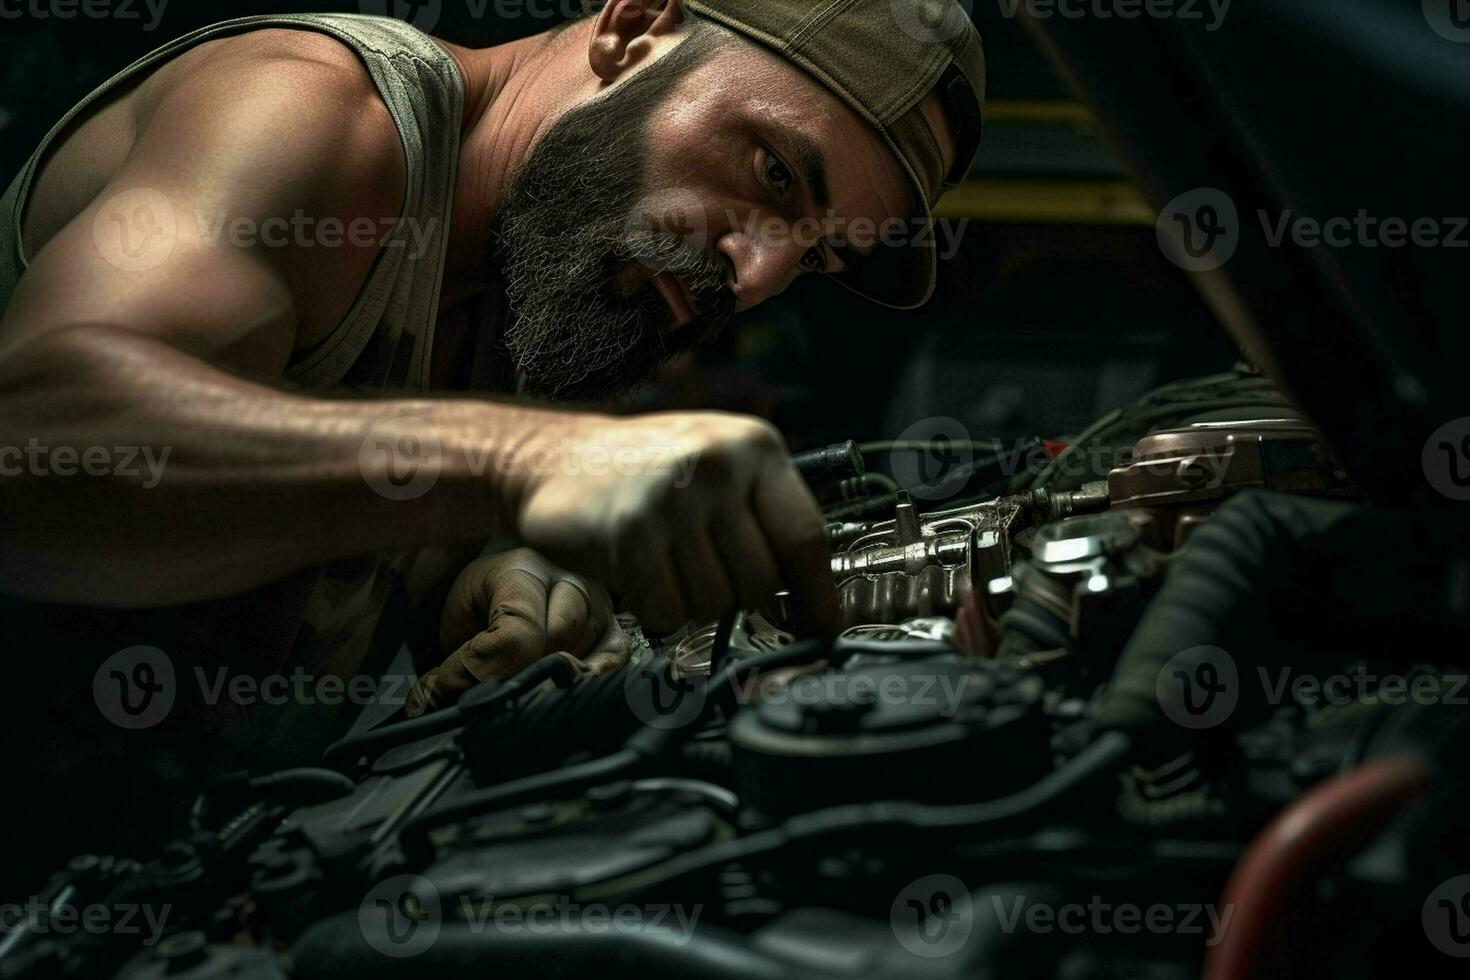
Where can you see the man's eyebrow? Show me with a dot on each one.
(808, 160)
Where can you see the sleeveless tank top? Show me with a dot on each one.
(318, 623)
(384, 341)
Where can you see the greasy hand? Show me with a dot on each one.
(686, 515)
(510, 609)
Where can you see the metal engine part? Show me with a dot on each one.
(1081, 591)
(1178, 476)
(883, 729)
(914, 565)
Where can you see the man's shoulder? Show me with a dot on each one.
(283, 81)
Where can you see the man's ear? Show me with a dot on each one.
(625, 33)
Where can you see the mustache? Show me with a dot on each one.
(706, 277)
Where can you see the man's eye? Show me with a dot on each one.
(777, 173)
(812, 259)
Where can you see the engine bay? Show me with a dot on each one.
(934, 793)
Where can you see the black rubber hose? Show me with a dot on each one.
(1053, 797)
(347, 946)
(476, 702)
(646, 744)
(1270, 577)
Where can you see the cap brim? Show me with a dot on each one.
(900, 275)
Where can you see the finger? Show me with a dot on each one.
(471, 599)
(614, 649)
(703, 580)
(797, 535)
(658, 602)
(441, 687)
(747, 559)
(569, 618)
(515, 635)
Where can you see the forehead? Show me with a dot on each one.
(744, 87)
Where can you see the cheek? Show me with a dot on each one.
(686, 151)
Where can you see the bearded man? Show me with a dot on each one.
(288, 258)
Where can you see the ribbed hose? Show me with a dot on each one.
(1216, 594)
(1269, 574)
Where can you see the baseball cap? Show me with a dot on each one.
(883, 58)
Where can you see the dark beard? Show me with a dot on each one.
(573, 224)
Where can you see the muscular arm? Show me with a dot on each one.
(146, 341)
(175, 340)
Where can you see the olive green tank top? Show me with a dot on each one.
(321, 622)
(384, 341)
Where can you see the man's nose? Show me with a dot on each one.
(764, 263)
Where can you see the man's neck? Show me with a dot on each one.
(514, 92)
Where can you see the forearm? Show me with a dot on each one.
(132, 474)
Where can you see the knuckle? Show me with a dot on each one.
(763, 436)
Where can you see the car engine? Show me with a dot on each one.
(934, 793)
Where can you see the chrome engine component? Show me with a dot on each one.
(914, 565)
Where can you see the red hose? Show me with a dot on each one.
(1332, 820)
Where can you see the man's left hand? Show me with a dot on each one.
(509, 610)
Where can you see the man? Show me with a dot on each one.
(184, 278)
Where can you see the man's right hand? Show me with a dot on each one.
(685, 515)
(181, 356)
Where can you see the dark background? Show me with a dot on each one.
(1058, 307)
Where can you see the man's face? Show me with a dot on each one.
(701, 185)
